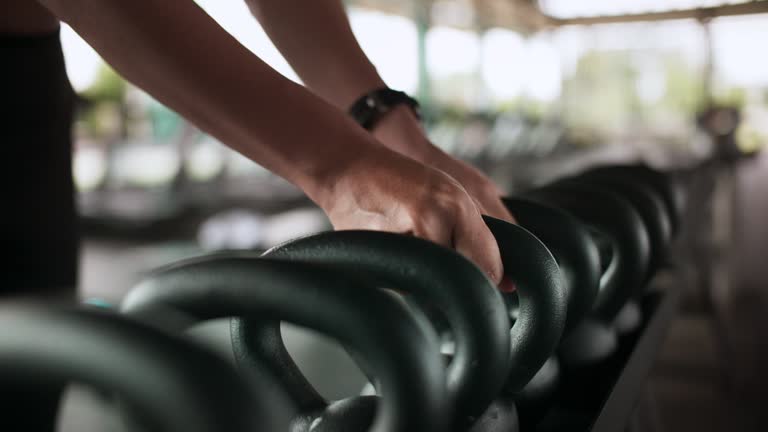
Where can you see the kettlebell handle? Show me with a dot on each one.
(572, 246)
(649, 206)
(398, 345)
(543, 304)
(158, 375)
(441, 277)
(436, 278)
(616, 218)
(670, 191)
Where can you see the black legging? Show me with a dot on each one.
(38, 224)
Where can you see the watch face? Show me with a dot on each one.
(371, 106)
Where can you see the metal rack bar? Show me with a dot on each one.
(629, 380)
(605, 397)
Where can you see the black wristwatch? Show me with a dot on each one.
(373, 105)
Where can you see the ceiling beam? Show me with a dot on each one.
(527, 17)
(754, 7)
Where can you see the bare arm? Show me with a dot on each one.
(317, 40)
(177, 53)
(24, 16)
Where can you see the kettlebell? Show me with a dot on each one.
(649, 205)
(666, 186)
(472, 308)
(579, 260)
(572, 246)
(657, 219)
(618, 223)
(396, 346)
(156, 375)
(623, 242)
(612, 215)
(629, 317)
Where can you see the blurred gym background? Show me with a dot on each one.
(528, 91)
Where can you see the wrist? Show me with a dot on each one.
(348, 89)
(369, 108)
(401, 130)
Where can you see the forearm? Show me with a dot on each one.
(317, 40)
(178, 54)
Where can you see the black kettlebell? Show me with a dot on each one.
(657, 218)
(572, 246)
(665, 185)
(629, 317)
(441, 279)
(618, 223)
(578, 258)
(649, 205)
(398, 348)
(169, 384)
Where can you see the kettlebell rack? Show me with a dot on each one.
(612, 399)
(617, 399)
(637, 356)
(597, 241)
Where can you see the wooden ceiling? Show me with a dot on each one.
(526, 16)
(519, 14)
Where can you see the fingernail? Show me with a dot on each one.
(506, 285)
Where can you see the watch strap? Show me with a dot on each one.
(369, 108)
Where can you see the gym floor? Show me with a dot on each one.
(709, 376)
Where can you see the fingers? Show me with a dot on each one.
(493, 206)
(480, 187)
(507, 285)
(474, 240)
(436, 227)
(407, 197)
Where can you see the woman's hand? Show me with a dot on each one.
(484, 191)
(400, 130)
(386, 191)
